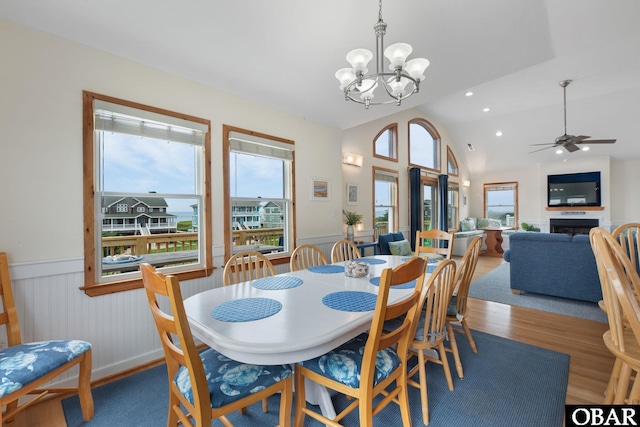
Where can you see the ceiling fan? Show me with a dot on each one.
(570, 142)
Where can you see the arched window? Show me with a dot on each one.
(424, 145)
(452, 163)
(385, 144)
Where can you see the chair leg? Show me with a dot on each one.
(445, 366)
(623, 384)
(84, 387)
(454, 349)
(286, 403)
(467, 332)
(422, 369)
(300, 396)
(403, 400)
(265, 405)
(610, 392)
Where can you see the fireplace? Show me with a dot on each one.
(572, 226)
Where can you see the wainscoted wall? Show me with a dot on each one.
(119, 326)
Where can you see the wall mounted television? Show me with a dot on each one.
(574, 189)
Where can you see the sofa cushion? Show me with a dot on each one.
(402, 247)
(384, 239)
(468, 224)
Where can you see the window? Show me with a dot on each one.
(501, 202)
(385, 196)
(452, 163)
(424, 145)
(385, 144)
(144, 170)
(429, 203)
(453, 203)
(259, 182)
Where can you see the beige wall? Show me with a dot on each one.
(41, 82)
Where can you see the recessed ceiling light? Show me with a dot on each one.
(499, 133)
(468, 93)
(558, 151)
(486, 109)
(585, 148)
(470, 147)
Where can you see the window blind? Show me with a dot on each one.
(257, 146)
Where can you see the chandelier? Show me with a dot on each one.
(359, 85)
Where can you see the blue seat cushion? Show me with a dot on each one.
(25, 363)
(229, 380)
(344, 363)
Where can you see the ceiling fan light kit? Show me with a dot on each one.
(570, 142)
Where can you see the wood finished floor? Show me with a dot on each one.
(589, 369)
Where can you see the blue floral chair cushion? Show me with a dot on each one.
(343, 364)
(468, 224)
(230, 380)
(25, 363)
(402, 247)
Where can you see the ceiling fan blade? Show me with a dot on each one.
(571, 147)
(535, 151)
(597, 141)
(578, 139)
(546, 143)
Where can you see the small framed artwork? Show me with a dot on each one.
(352, 194)
(320, 188)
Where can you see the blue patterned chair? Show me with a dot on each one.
(369, 364)
(26, 368)
(206, 386)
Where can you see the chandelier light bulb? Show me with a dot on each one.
(359, 58)
(397, 87)
(397, 54)
(345, 76)
(416, 68)
(367, 89)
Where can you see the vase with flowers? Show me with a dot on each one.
(351, 219)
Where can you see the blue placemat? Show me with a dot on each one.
(431, 267)
(350, 301)
(409, 285)
(327, 269)
(246, 309)
(277, 283)
(371, 260)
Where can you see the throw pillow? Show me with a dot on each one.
(467, 224)
(401, 247)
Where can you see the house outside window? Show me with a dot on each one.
(501, 202)
(144, 169)
(385, 144)
(259, 181)
(424, 145)
(385, 196)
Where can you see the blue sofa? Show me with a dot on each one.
(553, 264)
(384, 239)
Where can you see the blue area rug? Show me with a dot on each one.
(506, 384)
(495, 286)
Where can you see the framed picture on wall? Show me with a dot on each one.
(352, 194)
(320, 188)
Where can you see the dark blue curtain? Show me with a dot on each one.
(415, 205)
(443, 202)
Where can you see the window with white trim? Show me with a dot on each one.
(385, 196)
(145, 170)
(424, 145)
(259, 210)
(501, 202)
(452, 209)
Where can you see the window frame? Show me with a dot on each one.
(393, 173)
(393, 143)
(435, 207)
(495, 186)
(451, 160)
(456, 205)
(277, 258)
(436, 144)
(92, 286)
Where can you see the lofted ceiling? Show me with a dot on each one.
(284, 53)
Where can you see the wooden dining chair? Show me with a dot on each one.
(245, 266)
(623, 337)
(628, 235)
(457, 310)
(305, 256)
(344, 250)
(430, 330)
(26, 368)
(370, 364)
(434, 244)
(206, 386)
